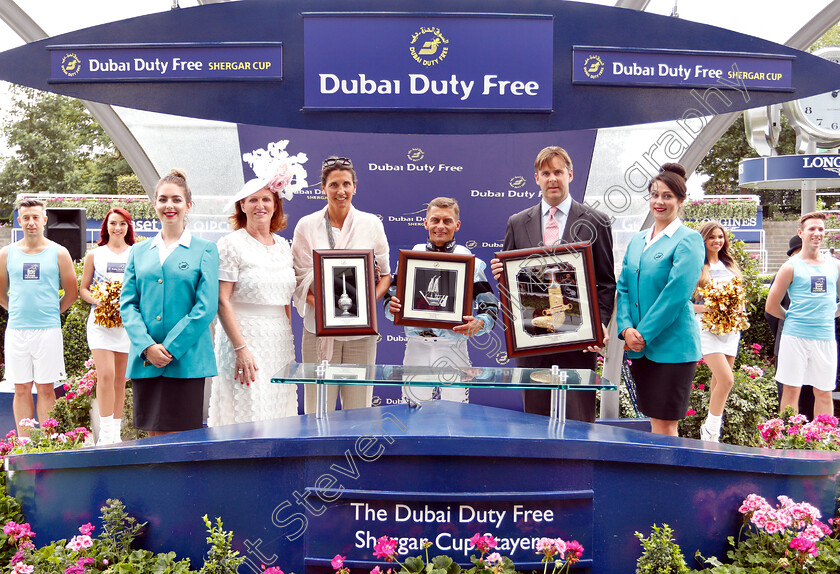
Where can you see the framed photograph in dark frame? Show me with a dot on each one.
(548, 298)
(345, 294)
(434, 288)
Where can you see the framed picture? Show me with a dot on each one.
(548, 300)
(345, 296)
(435, 289)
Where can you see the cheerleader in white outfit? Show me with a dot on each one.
(108, 345)
(719, 351)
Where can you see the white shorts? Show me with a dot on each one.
(34, 355)
(807, 362)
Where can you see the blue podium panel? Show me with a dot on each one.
(298, 491)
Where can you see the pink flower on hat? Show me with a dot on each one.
(281, 178)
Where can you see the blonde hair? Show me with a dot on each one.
(725, 257)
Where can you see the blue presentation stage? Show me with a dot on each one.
(298, 491)
(448, 98)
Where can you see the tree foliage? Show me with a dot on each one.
(58, 147)
(721, 163)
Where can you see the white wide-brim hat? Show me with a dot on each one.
(250, 188)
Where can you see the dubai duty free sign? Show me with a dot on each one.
(465, 66)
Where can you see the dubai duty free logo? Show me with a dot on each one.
(71, 64)
(428, 46)
(593, 67)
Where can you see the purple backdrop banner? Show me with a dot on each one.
(491, 176)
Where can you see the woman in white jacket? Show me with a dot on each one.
(337, 226)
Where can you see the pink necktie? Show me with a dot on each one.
(552, 230)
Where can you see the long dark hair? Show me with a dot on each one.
(724, 256)
(104, 236)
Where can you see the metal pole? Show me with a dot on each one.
(809, 186)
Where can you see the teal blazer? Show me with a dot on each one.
(172, 304)
(654, 295)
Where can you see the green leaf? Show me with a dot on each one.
(414, 564)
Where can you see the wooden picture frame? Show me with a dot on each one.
(549, 301)
(435, 289)
(345, 292)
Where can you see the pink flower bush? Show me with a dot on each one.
(273, 570)
(821, 434)
(798, 522)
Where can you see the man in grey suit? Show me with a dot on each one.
(560, 219)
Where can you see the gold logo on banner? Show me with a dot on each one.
(471, 244)
(428, 46)
(71, 64)
(502, 358)
(593, 67)
(415, 154)
(517, 182)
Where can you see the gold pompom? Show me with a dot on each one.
(725, 304)
(107, 313)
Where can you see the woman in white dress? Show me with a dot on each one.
(256, 283)
(719, 351)
(108, 345)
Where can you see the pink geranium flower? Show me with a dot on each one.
(483, 543)
(337, 562)
(574, 551)
(804, 545)
(494, 558)
(385, 548)
(81, 542)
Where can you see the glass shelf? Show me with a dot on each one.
(470, 377)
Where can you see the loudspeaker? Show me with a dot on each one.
(67, 226)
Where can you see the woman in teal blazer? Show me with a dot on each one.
(654, 311)
(169, 298)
